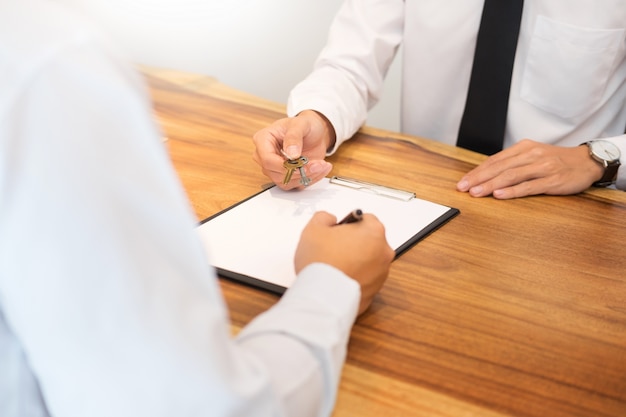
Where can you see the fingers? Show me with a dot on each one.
(496, 165)
(531, 168)
(296, 136)
(514, 166)
(359, 249)
(520, 190)
(268, 143)
(315, 171)
(323, 218)
(507, 178)
(509, 181)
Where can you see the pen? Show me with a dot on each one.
(353, 216)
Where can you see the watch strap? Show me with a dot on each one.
(610, 168)
(610, 174)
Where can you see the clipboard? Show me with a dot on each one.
(254, 241)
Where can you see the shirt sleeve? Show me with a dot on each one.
(348, 75)
(620, 142)
(104, 281)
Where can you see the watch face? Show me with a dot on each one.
(605, 150)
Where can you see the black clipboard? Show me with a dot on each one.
(254, 240)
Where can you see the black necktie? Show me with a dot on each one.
(484, 118)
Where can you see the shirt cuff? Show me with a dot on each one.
(620, 142)
(318, 311)
(321, 295)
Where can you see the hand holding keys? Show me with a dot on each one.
(293, 164)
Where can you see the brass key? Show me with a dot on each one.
(293, 164)
(289, 173)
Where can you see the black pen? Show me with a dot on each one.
(352, 217)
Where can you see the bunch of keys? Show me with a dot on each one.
(293, 164)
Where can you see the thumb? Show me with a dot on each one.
(292, 146)
(294, 137)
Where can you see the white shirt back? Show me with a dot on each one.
(108, 305)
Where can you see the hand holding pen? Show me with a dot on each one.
(361, 252)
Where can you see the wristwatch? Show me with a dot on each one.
(607, 154)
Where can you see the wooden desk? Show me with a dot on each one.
(514, 308)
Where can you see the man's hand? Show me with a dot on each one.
(308, 134)
(529, 168)
(360, 250)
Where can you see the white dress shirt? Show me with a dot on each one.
(108, 306)
(568, 84)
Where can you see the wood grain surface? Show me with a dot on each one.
(513, 308)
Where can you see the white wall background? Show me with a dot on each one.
(263, 47)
